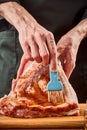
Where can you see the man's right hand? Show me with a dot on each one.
(37, 43)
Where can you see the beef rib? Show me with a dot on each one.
(28, 98)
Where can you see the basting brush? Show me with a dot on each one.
(55, 89)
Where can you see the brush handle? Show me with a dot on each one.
(53, 75)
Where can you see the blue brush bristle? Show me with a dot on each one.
(54, 84)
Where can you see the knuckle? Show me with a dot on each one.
(41, 34)
(37, 33)
(35, 57)
(46, 55)
(31, 37)
(45, 58)
(50, 35)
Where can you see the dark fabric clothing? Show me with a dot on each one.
(58, 16)
(2, 1)
(85, 14)
(10, 55)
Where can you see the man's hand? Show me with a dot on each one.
(37, 43)
(67, 47)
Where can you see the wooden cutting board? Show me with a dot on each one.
(44, 123)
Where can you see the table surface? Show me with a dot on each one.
(44, 123)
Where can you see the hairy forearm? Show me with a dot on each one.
(16, 15)
(78, 33)
(81, 29)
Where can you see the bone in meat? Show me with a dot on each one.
(29, 98)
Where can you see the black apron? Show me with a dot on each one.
(10, 55)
